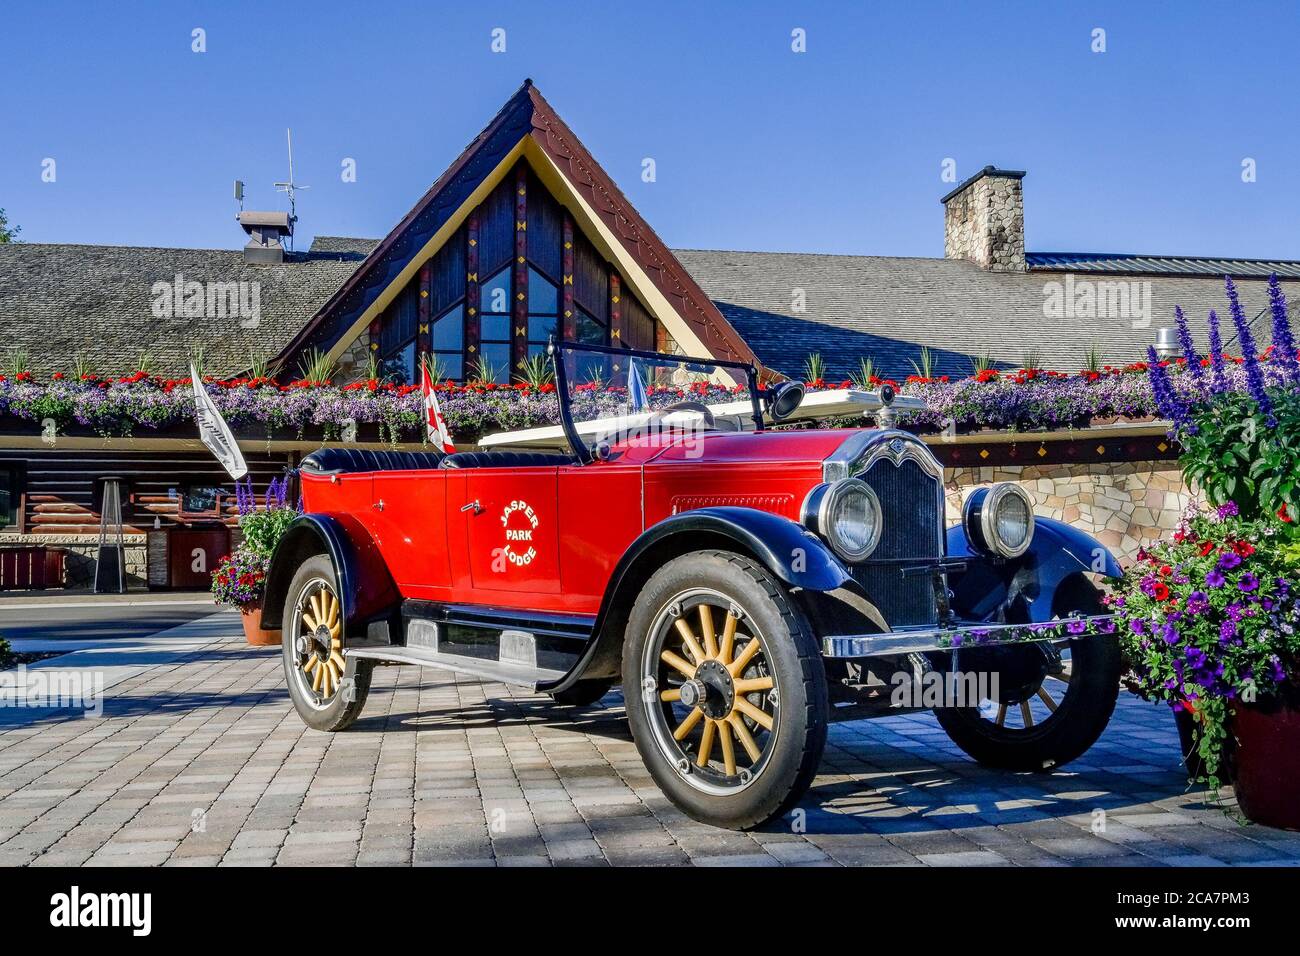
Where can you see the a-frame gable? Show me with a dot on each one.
(527, 132)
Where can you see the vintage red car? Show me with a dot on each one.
(744, 585)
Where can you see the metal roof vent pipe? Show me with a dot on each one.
(1167, 343)
(266, 232)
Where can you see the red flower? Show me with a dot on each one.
(1161, 591)
(1165, 570)
(1243, 548)
(1282, 513)
(1206, 547)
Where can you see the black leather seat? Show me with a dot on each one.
(336, 461)
(505, 459)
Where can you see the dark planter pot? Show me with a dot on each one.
(1185, 721)
(1268, 763)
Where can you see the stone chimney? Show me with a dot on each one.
(984, 221)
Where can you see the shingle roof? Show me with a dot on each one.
(59, 301)
(1128, 264)
(886, 308)
(62, 300)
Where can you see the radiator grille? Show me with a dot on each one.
(913, 533)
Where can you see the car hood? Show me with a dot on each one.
(806, 445)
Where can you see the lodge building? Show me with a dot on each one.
(523, 237)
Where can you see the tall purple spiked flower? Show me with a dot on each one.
(1254, 374)
(1189, 348)
(1220, 376)
(1167, 400)
(1284, 351)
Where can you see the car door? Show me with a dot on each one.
(407, 521)
(511, 529)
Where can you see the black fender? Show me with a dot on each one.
(366, 590)
(792, 553)
(1026, 589)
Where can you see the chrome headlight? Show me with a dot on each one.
(847, 514)
(1000, 520)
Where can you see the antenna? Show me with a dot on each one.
(239, 193)
(290, 187)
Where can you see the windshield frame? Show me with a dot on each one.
(580, 448)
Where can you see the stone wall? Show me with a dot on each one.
(354, 359)
(79, 555)
(984, 221)
(1125, 505)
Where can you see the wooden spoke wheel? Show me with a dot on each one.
(715, 705)
(1046, 703)
(327, 687)
(725, 689)
(318, 646)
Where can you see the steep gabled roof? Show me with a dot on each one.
(525, 116)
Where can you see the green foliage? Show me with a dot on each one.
(982, 362)
(1233, 453)
(17, 362)
(145, 363)
(1031, 359)
(8, 233)
(316, 366)
(537, 372)
(814, 367)
(924, 368)
(1092, 358)
(82, 366)
(866, 375)
(264, 529)
(1207, 619)
(258, 365)
(6, 652)
(483, 371)
(434, 365)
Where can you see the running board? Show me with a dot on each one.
(519, 675)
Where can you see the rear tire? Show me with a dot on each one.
(731, 723)
(327, 687)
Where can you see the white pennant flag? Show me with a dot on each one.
(214, 431)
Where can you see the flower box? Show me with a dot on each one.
(1267, 780)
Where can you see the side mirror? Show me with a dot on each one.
(783, 399)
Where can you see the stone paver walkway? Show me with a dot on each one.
(199, 760)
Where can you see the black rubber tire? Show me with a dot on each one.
(584, 692)
(794, 656)
(1079, 719)
(340, 712)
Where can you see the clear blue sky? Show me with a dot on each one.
(838, 149)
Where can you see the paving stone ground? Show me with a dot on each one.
(201, 761)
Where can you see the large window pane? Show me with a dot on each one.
(400, 365)
(541, 293)
(495, 328)
(498, 357)
(540, 327)
(449, 330)
(494, 295)
(450, 365)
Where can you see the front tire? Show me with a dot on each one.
(725, 690)
(328, 688)
(1053, 702)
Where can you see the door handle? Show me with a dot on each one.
(473, 506)
(379, 505)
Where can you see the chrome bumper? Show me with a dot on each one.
(965, 635)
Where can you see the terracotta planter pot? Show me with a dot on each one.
(1268, 763)
(251, 615)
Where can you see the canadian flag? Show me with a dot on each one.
(437, 425)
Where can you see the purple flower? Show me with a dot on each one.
(1169, 403)
(1229, 560)
(1229, 510)
(1247, 582)
(1254, 374)
(1136, 626)
(1284, 351)
(1198, 602)
(1169, 633)
(1077, 627)
(1215, 578)
(1189, 348)
(1220, 378)
(1227, 631)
